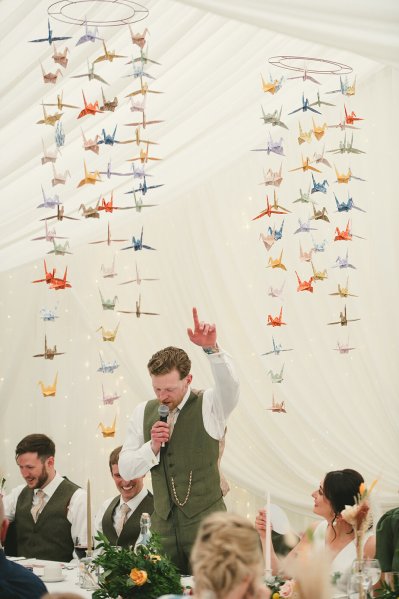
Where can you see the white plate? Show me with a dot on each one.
(53, 579)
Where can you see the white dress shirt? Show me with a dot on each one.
(137, 457)
(132, 503)
(77, 509)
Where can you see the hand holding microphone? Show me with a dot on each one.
(163, 412)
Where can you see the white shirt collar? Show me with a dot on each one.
(185, 398)
(135, 501)
(52, 486)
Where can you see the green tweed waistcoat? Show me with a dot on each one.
(131, 528)
(50, 537)
(190, 453)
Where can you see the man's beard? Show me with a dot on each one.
(42, 479)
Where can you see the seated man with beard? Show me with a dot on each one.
(47, 513)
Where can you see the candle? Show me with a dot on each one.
(89, 542)
(268, 539)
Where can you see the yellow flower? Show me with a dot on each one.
(139, 577)
(275, 596)
(154, 558)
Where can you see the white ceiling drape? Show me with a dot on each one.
(341, 410)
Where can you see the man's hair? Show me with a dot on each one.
(168, 359)
(114, 457)
(36, 443)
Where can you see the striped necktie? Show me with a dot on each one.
(172, 417)
(39, 505)
(122, 517)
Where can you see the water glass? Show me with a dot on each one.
(358, 585)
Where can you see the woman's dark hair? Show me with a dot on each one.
(341, 487)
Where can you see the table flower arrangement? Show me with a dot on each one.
(359, 517)
(129, 575)
(281, 588)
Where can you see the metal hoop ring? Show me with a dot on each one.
(283, 62)
(135, 13)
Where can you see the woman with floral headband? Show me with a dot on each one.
(335, 533)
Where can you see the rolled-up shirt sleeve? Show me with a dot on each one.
(136, 457)
(220, 400)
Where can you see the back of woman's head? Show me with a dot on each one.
(226, 550)
(340, 487)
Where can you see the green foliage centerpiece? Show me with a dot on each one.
(146, 574)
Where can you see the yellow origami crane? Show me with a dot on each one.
(304, 135)
(49, 119)
(89, 178)
(305, 166)
(276, 262)
(108, 431)
(108, 335)
(319, 130)
(51, 390)
(108, 55)
(319, 275)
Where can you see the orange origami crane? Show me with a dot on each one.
(276, 321)
(144, 157)
(346, 234)
(304, 285)
(351, 118)
(108, 431)
(89, 108)
(272, 86)
(50, 390)
(269, 210)
(305, 166)
(52, 281)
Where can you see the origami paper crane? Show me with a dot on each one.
(52, 281)
(272, 177)
(60, 214)
(109, 272)
(49, 119)
(143, 187)
(345, 177)
(304, 135)
(60, 249)
(343, 262)
(346, 234)
(319, 187)
(108, 105)
(138, 39)
(347, 147)
(138, 139)
(304, 227)
(304, 198)
(109, 138)
(60, 104)
(49, 352)
(143, 58)
(305, 107)
(108, 431)
(58, 177)
(305, 256)
(276, 262)
(346, 206)
(144, 156)
(275, 147)
(138, 71)
(109, 206)
(320, 214)
(108, 335)
(343, 348)
(90, 74)
(48, 155)
(89, 108)
(304, 285)
(345, 88)
(90, 178)
(49, 390)
(138, 278)
(319, 275)
(137, 244)
(273, 118)
(320, 159)
(139, 202)
(109, 172)
(319, 130)
(320, 102)
(138, 104)
(319, 246)
(277, 349)
(108, 304)
(91, 144)
(343, 291)
(90, 35)
(269, 210)
(305, 77)
(59, 136)
(48, 315)
(144, 89)
(343, 320)
(277, 407)
(49, 235)
(342, 125)
(305, 166)
(109, 55)
(108, 240)
(276, 321)
(276, 291)
(272, 236)
(109, 398)
(351, 118)
(49, 202)
(138, 311)
(89, 212)
(107, 367)
(50, 38)
(273, 85)
(50, 77)
(60, 57)
(144, 121)
(277, 377)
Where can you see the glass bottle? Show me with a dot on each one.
(145, 532)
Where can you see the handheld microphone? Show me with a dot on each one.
(163, 412)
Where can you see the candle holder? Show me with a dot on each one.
(88, 573)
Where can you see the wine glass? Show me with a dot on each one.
(358, 585)
(80, 547)
(373, 569)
